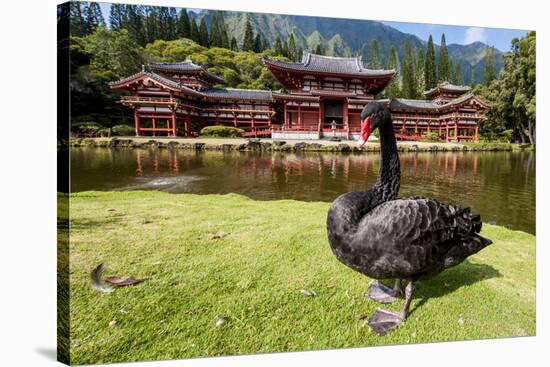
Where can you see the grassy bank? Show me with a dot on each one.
(290, 145)
(207, 257)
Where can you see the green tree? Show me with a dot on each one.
(299, 54)
(78, 24)
(93, 18)
(184, 25)
(278, 46)
(318, 49)
(472, 77)
(458, 78)
(409, 81)
(152, 24)
(215, 34)
(204, 38)
(490, 67)
(393, 90)
(513, 97)
(430, 73)
(171, 22)
(194, 31)
(375, 62)
(248, 40)
(258, 46)
(443, 66)
(292, 50)
(420, 63)
(135, 24)
(225, 43)
(234, 45)
(117, 16)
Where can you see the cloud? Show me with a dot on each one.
(474, 34)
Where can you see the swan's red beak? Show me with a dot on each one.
(365, 129)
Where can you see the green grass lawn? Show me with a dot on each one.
(253, 276)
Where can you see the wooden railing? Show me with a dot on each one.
(294, 128)
(137, 99)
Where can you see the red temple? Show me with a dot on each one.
(324, 97)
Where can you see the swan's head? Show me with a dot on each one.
(374, 115)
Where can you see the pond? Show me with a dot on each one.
(498, 185)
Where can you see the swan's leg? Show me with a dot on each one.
(382, 294)
(384, 321)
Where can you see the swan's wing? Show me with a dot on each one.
(415, 234)
(407, 220)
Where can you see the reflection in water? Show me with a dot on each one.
(499, 185)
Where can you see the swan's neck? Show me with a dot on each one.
(349, 209)
(389, 177)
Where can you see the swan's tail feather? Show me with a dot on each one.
(467, 223)
(467, 247)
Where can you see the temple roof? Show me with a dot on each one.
(330, 65)
(184, 67)
(240, 94)
(447, 87)
(400, 103)
(417, 104)
(171, 84)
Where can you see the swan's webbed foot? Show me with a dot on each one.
(384, 321)
(382, 294)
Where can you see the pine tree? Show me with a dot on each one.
(134, 24)
(78, 24)
(163, 23)
(223, 31)
(258, 43)
(420, 64)
(318, 49)
(152, 24)
(490, 69)
(215, 36)
(93, 17)
(234, 45)
(285, 49)
(194, 33)
(472, 77)
(265, 44)
(204, 39)
(278, 46)
(430, 73)
(117, 16)
(443, 67)
(409, 80)
(299, 54)
(184, 25)
(292, 50)
(374, 55)
(248, 40)
(451, 71)
(459, 80)
(393, 90)
(172, 24)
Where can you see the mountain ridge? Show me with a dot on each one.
(348, 37)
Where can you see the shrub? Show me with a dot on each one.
(431, 136)
(88, 128)
(222, 131)
(123, 130)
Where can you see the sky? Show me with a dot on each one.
(498, 37)
(462, 35)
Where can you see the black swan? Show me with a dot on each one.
(384, 237)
